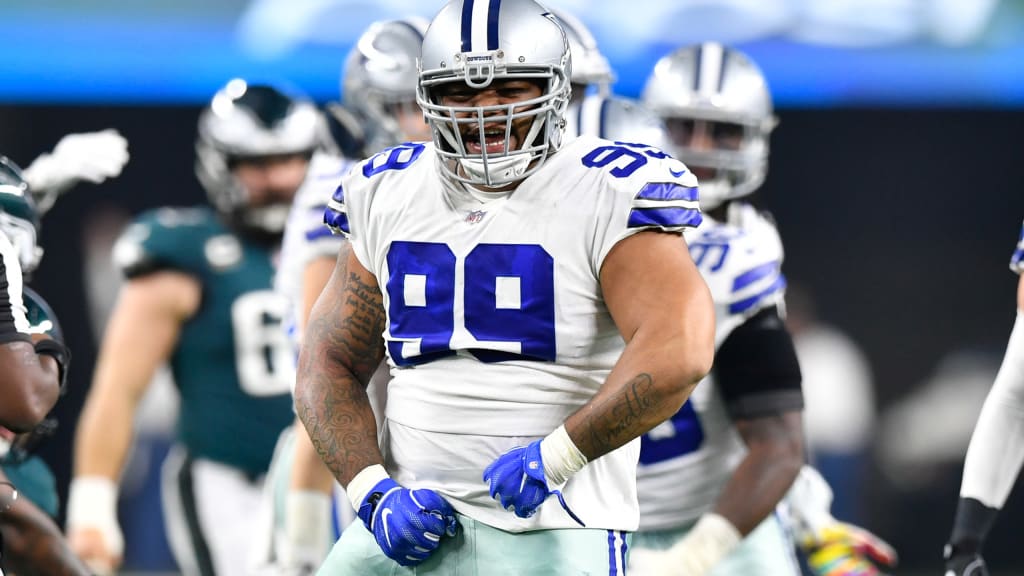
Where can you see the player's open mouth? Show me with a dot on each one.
(494, 140)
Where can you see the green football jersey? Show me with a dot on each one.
(232, 363)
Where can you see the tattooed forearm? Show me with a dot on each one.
(612, 422)
(342, 346)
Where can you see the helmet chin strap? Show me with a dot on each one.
(497, 171)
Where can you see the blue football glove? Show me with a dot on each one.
(407, 524)
(516, 479)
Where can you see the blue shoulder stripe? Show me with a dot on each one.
(754, 274)
(741, 306)
(336, 221)
(339, 194)
(318, 232)
(667, 217)
(667, 191)
(1017, 260)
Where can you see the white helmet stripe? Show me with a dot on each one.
(709, 69)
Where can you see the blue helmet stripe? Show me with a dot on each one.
(602, 122)
(467, 26)
(492, 24)
(698, 60)
(721, 70)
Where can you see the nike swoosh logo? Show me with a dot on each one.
(384, 519)
(677, 174)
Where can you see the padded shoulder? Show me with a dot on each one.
(741, 261)
(188, 240)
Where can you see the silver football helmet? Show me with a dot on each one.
(619, 119)
(724, 88)
(380, 76)
(245, 121)
(476, 42)
(589, 66)
(19, 218)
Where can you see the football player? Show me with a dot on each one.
(712, 477)
(32, 542)
(31, 365)
(995, 453)
(198, 296)
(591, 74)
(380, 83)
(537, 308)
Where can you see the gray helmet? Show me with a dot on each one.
(476, 42)
(714, 83)
(380, 72)
(19, 220)
(619, 119)
(589, 66)
(250, 121)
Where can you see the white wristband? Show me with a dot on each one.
(363, 482)
(561, 457)
(92, 503)
(307, 527)
(704, 546)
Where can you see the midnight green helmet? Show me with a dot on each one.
(19, 220)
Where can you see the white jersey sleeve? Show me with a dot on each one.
(685, 461)
(306, 237)
(496, 328)
(996, 451)
(1017, 260)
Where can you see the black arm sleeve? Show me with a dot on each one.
(756, 368)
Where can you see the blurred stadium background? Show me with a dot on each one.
(895, 178)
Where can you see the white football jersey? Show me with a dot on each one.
(306, 237)
(496, 327)
(685, 461)
(1017, 260)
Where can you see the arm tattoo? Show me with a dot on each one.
(342, 348)
(616, 420)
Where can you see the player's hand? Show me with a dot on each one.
(407, 524)
(93, 532)
(99, 549)
(963, 564)
(842, 549)
(89, 156)
(516, 479)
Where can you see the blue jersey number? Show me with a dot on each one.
(508, 296)
(637, 154)
(395, 158)
(681, 435)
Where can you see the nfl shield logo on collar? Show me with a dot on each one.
(475, 217)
